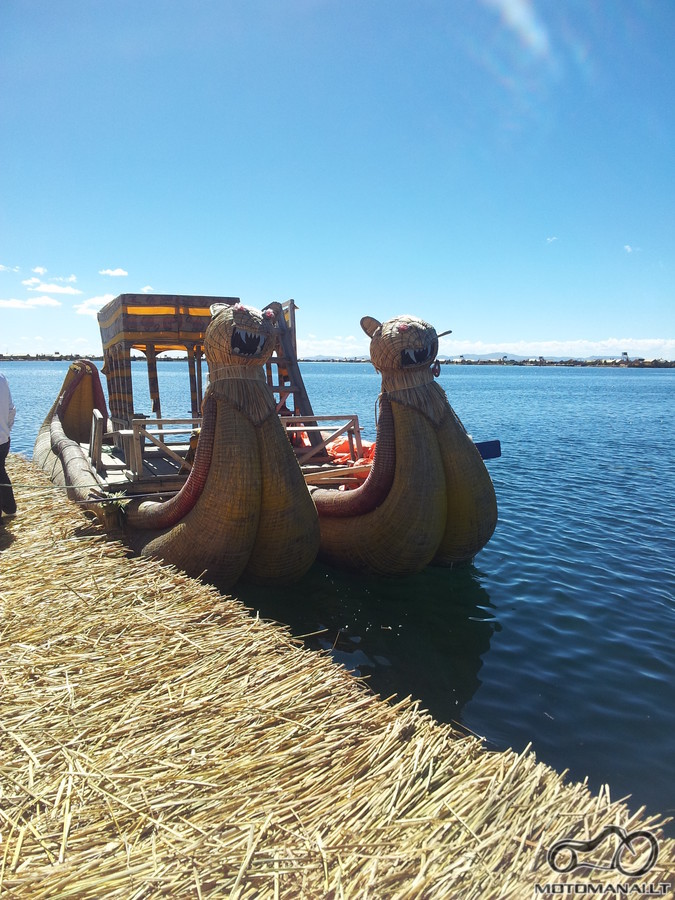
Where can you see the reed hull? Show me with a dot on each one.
(401, 535)
(254, 516)
(244, 509)
(429, 499)
(58, 448)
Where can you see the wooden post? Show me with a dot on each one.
(193, 381)
(120, 389)
(200, 391)
(153, 382)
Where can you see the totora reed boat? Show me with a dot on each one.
(253, 483)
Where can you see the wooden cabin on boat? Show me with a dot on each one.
(150, 453)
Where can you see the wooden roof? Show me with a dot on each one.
(162, 321)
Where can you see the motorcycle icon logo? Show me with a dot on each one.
(629, 856)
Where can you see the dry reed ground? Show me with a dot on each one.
(158, 740)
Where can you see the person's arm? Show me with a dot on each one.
(11, 409)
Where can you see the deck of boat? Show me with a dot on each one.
(159, 740)
(161, 473)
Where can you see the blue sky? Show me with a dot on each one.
(503, 168)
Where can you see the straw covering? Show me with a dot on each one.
(156, 740)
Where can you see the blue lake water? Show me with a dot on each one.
(562, 632)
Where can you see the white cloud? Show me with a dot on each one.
(34, 284)
(147, 289)
(31, 303)
(335, 347)
(91, 306)
(115, 273)
(628, 248)
(40, 270)
(549, 240)
(8, 268)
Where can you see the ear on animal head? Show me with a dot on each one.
(273, 311)
(216, 308)
(370, 325)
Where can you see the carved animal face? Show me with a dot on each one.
(239, 335)
(403, 343)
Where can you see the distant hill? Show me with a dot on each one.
(515, 360)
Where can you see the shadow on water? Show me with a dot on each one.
(423, 635)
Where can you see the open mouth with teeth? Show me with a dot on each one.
(410, 357)
(247, 343)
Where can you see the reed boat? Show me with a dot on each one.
(253, 482)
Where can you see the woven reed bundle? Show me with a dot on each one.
(156, 740)
(245, 506)
(57, 450)
(218, 533)
(245, 389)
(437, 503)
(403, 533)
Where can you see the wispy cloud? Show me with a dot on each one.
(521, 17)
(8, 268)
(628, 248)
(91, 306)
(31, 303)
(114, 273)
(39, 270)
(549, 240)
(147, 289)
(34, 284)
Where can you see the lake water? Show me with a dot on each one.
(562, 632)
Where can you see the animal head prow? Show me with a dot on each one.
(239, 335)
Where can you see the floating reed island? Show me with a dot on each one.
(156, 739)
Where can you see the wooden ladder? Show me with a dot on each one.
(288, 379)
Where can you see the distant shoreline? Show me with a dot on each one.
(618, 363)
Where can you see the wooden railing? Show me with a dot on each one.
(323, 429)
(157, 432)
(319, 425)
